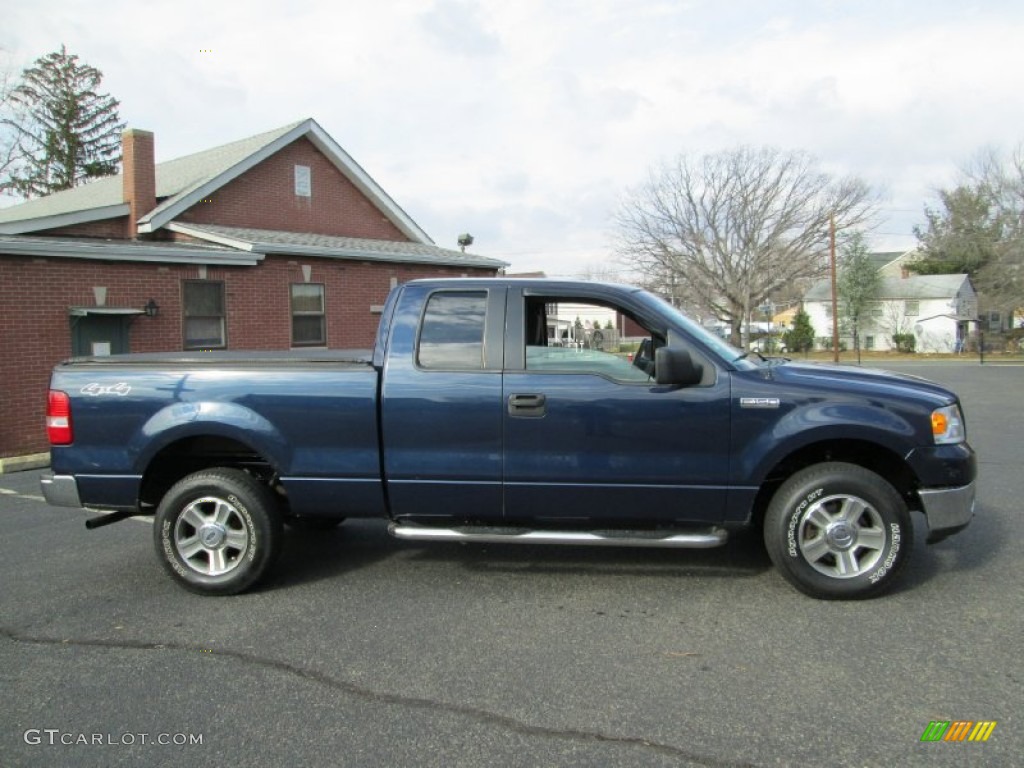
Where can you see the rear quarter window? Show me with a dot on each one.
(452, 332)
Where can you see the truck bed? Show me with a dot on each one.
(309, 415)
(232, 358)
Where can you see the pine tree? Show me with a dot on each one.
(859, 286)
(962, 238)
(71, 133)
(800, 338)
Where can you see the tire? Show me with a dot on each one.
(838, 531)
(218, 531)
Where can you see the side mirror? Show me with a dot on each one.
(644, 357)
(673, 366)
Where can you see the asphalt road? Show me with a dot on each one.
(366, 651)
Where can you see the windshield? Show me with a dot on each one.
(715, 343)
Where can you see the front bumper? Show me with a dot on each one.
(60, 490)
(948, 510)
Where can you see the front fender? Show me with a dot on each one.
(759, 451)
(218, 419)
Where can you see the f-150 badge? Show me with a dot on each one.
(759, 402)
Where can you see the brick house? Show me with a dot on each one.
(277, 241)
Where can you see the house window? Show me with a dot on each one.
(869, 342)
(203, 307)
(309, 325)
(913, 308)
(303, 181)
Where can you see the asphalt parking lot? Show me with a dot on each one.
(367, 651)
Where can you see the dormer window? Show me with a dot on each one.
(303, 181)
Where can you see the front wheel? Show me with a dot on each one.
(838, 530)
(218, 531)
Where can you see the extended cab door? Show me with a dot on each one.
(441, 403)
(589, 436)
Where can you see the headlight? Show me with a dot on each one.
(948, 425)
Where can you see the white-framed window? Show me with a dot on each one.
(309, 318)
(303, 181)
(203, 308)
(912, 308)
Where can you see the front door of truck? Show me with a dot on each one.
(442, 404)
(590, 438)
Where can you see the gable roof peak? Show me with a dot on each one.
(184, 181)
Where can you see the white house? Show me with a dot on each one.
(936, 309)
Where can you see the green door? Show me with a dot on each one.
(98, 335)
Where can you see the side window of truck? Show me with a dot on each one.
(452, 332)
(577, 336)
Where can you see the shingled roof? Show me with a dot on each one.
(183, 182)
(126, 250)
(913, 287)
(265, 241)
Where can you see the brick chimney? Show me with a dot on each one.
(139, 175)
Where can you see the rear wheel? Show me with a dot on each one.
(838, 530)
(218, 531)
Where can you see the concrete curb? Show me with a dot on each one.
(20, 463)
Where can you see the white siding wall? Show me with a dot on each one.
(819, 313)
(934, 325)
(935, 329)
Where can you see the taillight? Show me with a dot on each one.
(58, 418)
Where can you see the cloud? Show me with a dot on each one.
(525, 121)
(456, 25)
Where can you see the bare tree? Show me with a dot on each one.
(895, 318)
(1002, 176)
(600, 273)
(980, 229)
(724, 231)
(10, 115)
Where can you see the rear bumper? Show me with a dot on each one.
(60, 490)
(948, 510)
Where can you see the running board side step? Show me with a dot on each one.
(704, 538)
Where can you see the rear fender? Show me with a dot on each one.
(219, 419)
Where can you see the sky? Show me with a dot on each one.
(527, 122)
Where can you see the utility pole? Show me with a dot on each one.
(835, 300)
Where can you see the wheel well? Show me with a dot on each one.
(193, 454)
(876, 458)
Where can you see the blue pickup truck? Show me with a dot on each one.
(472, 420)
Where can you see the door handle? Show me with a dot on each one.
(527, 406)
